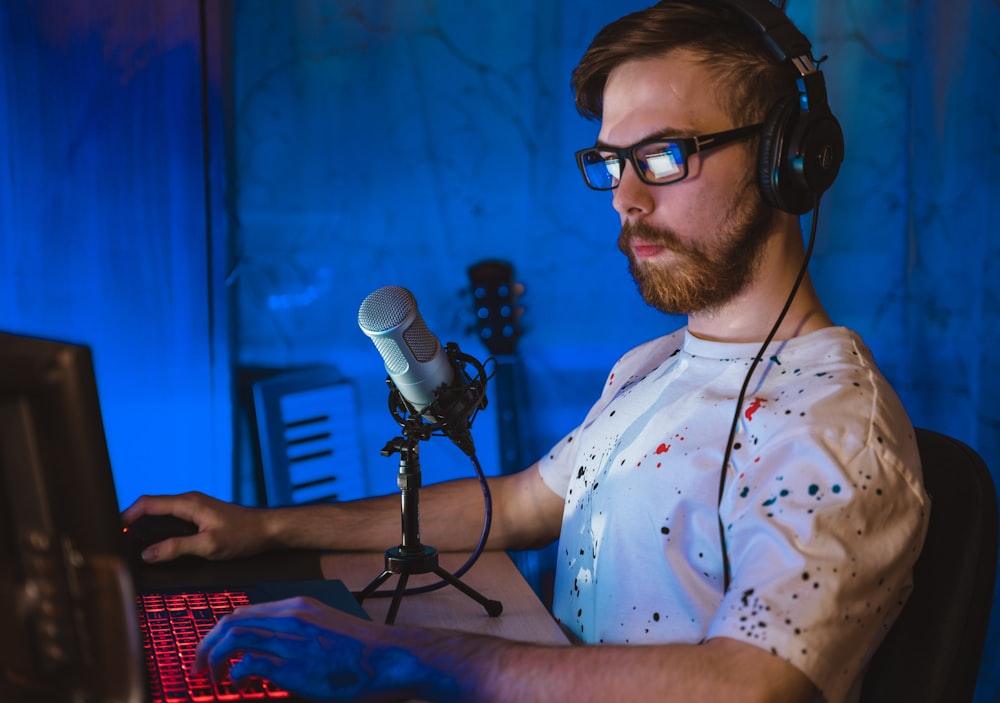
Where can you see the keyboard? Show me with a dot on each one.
(172, 624)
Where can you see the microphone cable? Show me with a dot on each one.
(746, 384)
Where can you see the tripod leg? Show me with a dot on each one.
(390, 617)
(493, 607)
(370, 588)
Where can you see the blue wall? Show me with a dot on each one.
(105, 224)
(349, 145)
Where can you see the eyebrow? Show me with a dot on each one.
(667, 133)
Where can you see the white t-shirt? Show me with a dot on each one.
(823, 509)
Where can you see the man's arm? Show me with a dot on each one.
(327, 655)
(720, 669)
(525, 514)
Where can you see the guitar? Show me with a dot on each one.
(494, 296)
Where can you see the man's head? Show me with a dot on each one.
(699, 81)
(763, 69)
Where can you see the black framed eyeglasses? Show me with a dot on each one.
(658, 162)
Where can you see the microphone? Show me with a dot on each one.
(417, 365)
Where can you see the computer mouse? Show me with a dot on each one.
(150, 529)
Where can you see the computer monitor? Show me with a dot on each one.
(67, 619)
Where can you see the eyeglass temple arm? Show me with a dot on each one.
(713, 140)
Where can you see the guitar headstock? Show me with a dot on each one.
(494, 297)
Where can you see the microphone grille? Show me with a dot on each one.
(421, 340)
(386, 308)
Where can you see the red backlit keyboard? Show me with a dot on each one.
(172, 625)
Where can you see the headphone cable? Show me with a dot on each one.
(746, 385)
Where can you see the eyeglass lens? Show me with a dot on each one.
(659, 162)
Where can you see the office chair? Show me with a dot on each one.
(933, 651)
(307, 431)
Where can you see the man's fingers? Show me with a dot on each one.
(263, 642)
(180, 505)
(173, 547)
(260, 618)
(256, 664)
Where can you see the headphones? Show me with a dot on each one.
(801, 144)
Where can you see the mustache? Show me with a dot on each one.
(653, 235)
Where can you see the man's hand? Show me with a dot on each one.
(316, 652)
(225, 530)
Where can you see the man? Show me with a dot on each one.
(821, 512)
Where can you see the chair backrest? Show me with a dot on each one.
(934, 650)
(307, 430)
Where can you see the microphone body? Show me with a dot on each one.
(413, 356)
(417, 364)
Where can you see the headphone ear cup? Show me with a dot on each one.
(799, 156)
(773, 172)
(817, 150)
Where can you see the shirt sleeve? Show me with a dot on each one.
(822, 533)
(555, 467)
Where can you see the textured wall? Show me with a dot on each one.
(398, 143)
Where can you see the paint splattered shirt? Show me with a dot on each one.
(823, 510)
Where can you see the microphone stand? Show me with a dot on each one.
(411, 556)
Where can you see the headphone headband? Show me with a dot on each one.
(784, 38)
(802, 145)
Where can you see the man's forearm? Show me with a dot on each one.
(484, 669)
(526, 514)
(451, 517)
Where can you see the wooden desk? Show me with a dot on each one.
(524, 617)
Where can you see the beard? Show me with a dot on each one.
(703, 277)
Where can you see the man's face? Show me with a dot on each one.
(694, 245)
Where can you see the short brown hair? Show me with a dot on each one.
(733, 52)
